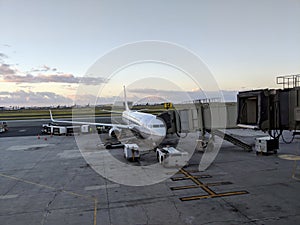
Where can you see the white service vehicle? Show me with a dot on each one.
(85, 129)
(131, 152)
(53, 129)
(266, 145)
(64, 130)
(58, 130)
(172, 157)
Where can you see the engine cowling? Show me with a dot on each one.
(114, 132)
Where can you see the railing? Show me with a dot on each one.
(289, 81)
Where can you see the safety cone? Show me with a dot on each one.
(38, 136)
(45, 138)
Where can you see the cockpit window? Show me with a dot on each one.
(157, 125)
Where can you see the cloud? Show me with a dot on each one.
(92, 80)
(85, 99)
(181, 96)
(43, 68)
(3, 56)
(29, 98)
(9, 75)
(42, 74)
(151, 91)
(6, 69)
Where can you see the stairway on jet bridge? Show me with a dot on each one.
(231, 139)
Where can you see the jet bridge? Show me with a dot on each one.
(199, 116)
(272, 110)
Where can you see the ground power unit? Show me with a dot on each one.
(171, 157)
(131, 152)
(266, 145)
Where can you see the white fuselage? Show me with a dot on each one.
(147, 125)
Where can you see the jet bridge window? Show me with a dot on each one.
(254, 108)
(248, 110)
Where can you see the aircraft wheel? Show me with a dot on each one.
(161, 159)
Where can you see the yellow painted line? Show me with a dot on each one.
(187, 178)
(205, 187)
(184, 187)
(195, 197)
(232, 193)
(289, 157)
(218, 183)
(295, 175)
(196, 181)
(95, 210)
(214, 196)
(28, 182)
(53, 188)
(197, 186)
(189, 171)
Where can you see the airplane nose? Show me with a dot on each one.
(158, 136)
(157, 131)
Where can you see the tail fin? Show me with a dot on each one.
(125, 99)
(51, 117)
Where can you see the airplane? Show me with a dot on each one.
(147, 126)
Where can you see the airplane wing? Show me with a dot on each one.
(122, 126)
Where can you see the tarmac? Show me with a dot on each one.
(49, 180)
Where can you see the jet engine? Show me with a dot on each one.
(114, 132)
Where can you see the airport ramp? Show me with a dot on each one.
(230, 138)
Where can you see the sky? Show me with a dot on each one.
(48, 47)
